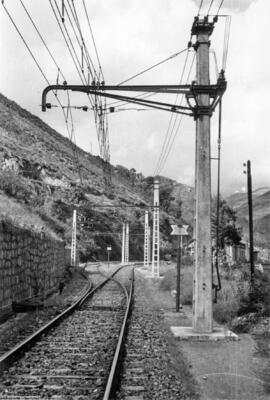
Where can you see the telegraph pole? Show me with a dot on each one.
(123, 244)
(146, 240)
(250, 217)
(202, 302)
(155, 249)
(73, 239)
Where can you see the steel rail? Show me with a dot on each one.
(18, 350)
(116, 360)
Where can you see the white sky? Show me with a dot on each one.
(131, 36)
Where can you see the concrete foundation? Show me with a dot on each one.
(187, 333)
(147, 273)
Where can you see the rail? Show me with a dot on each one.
(111, 382)
(7, 358)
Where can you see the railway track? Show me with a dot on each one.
(31, 321)
(75, 356)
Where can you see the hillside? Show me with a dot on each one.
(261, 213)
(40, 187)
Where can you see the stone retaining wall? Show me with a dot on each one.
(30, 264)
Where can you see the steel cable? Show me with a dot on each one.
(179, 123)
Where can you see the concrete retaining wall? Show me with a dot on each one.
(30, 264)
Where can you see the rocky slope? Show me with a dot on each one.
(40, 186)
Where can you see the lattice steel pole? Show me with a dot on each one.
(146, 240)
(155, 249)
(149, 245)
(123, 243)
(127, 244)
(73, 239)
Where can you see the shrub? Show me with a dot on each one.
(15, 185)
(168, 283)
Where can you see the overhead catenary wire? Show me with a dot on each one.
(65, 39)
(177, 128)
(226, 42)
(93, 39)
(73, 55)
(37, 63)
(43, 40)
(200, 8)
(170, 121)
(222, 1)
(99, 104)
(82, 45)
(212, 51)
(172, 137)
(153, 66)
(147, 94)
(210, 6)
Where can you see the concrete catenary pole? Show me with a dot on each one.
(146, 240)
(73, 239)
(202, 301)
(155, 248)
(123, 244)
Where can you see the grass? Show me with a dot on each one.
(233, 299)
(168, 282)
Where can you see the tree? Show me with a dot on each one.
(165, 198)
(228, 233)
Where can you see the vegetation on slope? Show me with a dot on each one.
(39, 171)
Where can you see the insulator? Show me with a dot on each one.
(65, 83)
(85, 108)
(189, 44)
(48, 105)
(111, 109)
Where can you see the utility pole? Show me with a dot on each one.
(250, 218)
(127, 244)
(146, 240)
(123, 244)
(73, 239)
(155, 249)
(202, 301)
